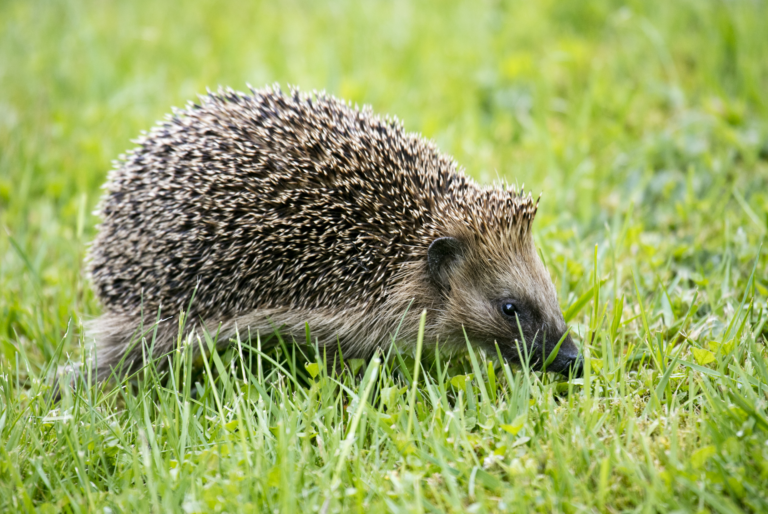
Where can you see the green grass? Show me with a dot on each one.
(645, 124)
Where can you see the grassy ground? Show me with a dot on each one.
(643, 122)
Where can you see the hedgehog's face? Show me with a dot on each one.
(501, 294)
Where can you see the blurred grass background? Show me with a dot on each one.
(643, 123)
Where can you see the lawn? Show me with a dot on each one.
(644, 124)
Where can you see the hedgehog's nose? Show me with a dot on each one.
(568, 365)
(575, 368)
(568, 362)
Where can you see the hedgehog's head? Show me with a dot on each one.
(492, 284)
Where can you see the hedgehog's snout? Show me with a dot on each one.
(569, 366)
(568, 362)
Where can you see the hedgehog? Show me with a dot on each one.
(282, 209)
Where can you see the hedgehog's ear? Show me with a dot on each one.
(442, 256)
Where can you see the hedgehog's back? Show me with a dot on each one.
(266, 200)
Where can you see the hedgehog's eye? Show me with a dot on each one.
(509, 308)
